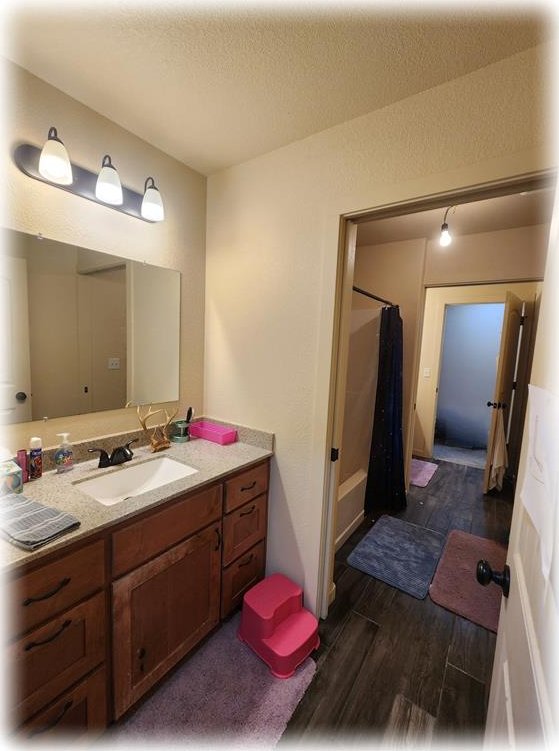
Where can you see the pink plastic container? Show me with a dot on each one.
(211, 431)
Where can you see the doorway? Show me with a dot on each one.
(474, 259)
(470, 348)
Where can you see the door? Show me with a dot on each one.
(15, 368)
(502, 397)
(161, 610)
(524, 683)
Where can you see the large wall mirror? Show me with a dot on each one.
(83, 331)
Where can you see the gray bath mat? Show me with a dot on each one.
(400, 554)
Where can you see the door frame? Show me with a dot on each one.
(347, 240)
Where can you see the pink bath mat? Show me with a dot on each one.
(422, 472)
(455, 586)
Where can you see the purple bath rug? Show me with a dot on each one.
(422, 472)
(222, 695)
(455, 586)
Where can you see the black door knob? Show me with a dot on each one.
(21, 396)
(485, 575)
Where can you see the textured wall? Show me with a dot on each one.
(273, 229)
(178, 242)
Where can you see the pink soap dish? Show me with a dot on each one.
(211, 431)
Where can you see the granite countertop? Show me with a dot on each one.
(61, 491)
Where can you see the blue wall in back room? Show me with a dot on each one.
(471, 339)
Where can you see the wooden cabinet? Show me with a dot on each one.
(58, 632)
(139, 541)
(244, 533)
(161, 610)
(81, 711)
(152, 587)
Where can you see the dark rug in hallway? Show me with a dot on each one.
(455, 586)
(401, 554)
(223, 695)
(422, 472)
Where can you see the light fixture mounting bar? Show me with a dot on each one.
(26, 157)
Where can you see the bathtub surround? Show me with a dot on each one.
(224, 695)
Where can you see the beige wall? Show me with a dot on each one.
(178, 242)
(399, 272)
(395, 271)
(272, 255)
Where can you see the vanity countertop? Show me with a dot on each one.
(61, 491)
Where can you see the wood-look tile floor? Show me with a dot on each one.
(395, 669)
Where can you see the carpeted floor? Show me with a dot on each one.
(455, 586)
(401, 554)
(224, 695)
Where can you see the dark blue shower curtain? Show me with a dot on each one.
(386, 489)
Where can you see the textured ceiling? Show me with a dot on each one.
(214, 85)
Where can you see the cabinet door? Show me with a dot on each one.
(161, 610)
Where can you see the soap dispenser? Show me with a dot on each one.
(64, 456)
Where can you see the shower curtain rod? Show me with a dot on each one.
(375, 297)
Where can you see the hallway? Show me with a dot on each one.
(391, 667)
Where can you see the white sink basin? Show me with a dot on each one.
(126, 482)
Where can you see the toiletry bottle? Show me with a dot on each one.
(64, 456)
(21, 459)
(35, 458)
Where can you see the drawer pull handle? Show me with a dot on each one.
(218, 533)
(248, 511)
(248, 487)
(33, 644)
(248, 560)
(55, 591)
(54, 722)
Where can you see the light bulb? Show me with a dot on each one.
(54, 162)
(446, 237)
(108, 188)
(152, 205)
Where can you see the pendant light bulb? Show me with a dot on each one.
(108, 188)
(446, 237)
(54, 162)
(152, 205)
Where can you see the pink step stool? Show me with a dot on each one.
(276, 626)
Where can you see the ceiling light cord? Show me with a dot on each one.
(445, 238)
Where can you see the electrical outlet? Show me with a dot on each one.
(113, 363)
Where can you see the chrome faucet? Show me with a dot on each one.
(119, 455)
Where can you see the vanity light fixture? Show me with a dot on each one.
(445, 238)
(152, 205)
(52, 166)
(54, 162)
(108, 188)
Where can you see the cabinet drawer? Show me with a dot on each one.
(138, 542)
(246, 486)
(82, 711)
(53, 657)
(243, 528)
(55, 587)
(237, 578)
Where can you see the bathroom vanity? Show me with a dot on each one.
(101, 615)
